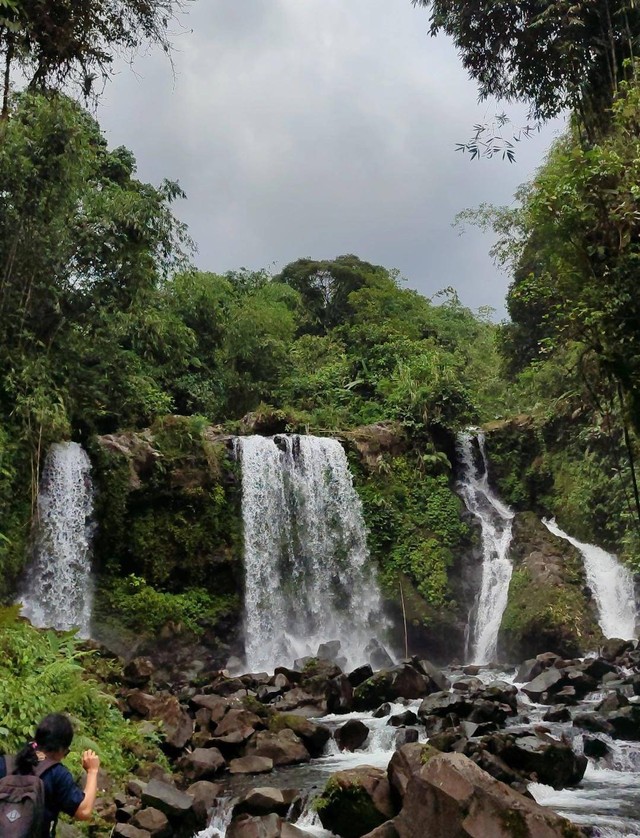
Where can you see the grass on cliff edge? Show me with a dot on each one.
(42, 672)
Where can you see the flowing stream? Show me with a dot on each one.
(608, 797)
(308, 575)
(611, 584)
(57, 590)
(495, 520)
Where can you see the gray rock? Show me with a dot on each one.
(167, 799)
(251, 765)
(154, 821)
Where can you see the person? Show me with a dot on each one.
(52, 741)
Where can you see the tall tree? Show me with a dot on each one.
(551, 55)
(58, 42)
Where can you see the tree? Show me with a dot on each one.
(325, 287)
(550, 55)
(57, 42)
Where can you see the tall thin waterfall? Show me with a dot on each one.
(308, 575)
(57, 592)
(612, 586)
(495, 520)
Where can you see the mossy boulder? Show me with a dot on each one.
(549, 608)
(355, 802)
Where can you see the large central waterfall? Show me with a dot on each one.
(495, 520)
(57, 592)
(308, 575)
(612, 586)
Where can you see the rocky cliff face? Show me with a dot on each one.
(550, 605)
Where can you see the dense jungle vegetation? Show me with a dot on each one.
(105, 325)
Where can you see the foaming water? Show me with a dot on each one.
(308, 575)
(495, 520)
(220, 819)
(612, 586)
(608, 799)
(57, 591)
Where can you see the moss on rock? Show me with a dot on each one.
(549, 606)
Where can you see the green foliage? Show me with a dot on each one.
(414, 526)
(544, 612)
(347, 809)
(42, 672)
(144, 609)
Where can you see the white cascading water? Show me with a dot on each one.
(308, 575)
(57, 592)
(612, 586)
(495, 520)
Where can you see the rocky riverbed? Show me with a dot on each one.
(315, 750)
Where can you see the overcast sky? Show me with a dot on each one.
(318, 128)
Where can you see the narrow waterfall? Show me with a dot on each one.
(495, 520)
(612, 586)
(57, 590)
(307, 569)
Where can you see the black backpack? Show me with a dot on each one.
(22, 801)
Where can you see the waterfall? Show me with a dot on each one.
(495, 520)
(57, 590)
(612, 586)
(307, 568)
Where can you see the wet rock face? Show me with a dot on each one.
(549, 605)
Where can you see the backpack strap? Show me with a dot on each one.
(38, 770)
(43, 766)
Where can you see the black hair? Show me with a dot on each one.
(54, 733)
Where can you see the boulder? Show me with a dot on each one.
(168, 799)
(201, 764)
(439, 681)
(594, 747)
(378, 656)
(284, 748)
(217, 706)
(405, 736)
(251, 765)
(204, 795)
(626, 723)
(552, 762)
(541, 684)
(265, 800)
(560, 713)
(238, 720)
(356, 801)
(528, 670)
(352, 735)
(360, 674)
(402, 681)
(408, 717)
(455, 797)
(154, 821)
(614, 648)
(138, 672)
(593, 722)
(246, 826)
(314, 736)
(127, 830)
(329, 651)
(407, 761)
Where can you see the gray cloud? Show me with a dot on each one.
(315, 128)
